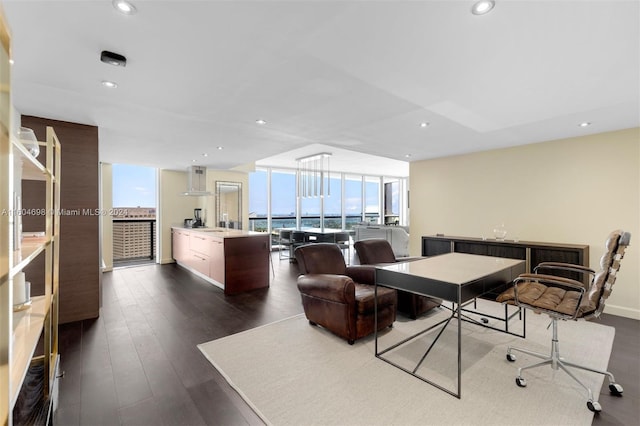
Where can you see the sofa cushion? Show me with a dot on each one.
(365, 298)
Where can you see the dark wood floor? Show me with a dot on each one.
(138, 363)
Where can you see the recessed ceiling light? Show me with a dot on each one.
(407, 155)
(585, 124)
(220, 148)
(261, 122)
(193, 161)
(424, 124)
(205, 154)
(109, 84)
(482, 7)
(125, 7)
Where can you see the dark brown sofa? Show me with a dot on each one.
(338, 297)
(377, 251)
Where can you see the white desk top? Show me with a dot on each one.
(455, 268)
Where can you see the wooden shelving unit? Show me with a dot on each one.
(40, 321)
(6, 307)
(21, 331)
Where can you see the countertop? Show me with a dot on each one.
(220, 232)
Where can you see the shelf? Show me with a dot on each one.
(39, 320)
(27, 328)
(32, 169)
(30, 248)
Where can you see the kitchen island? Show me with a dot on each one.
(234, 260)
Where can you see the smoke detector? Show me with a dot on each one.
(113, 59)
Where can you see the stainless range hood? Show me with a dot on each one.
(197, 181)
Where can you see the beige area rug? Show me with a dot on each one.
(292, 373)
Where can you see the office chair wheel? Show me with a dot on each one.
(615, 389)
(594, 406)
(521, 382)
(511, 358)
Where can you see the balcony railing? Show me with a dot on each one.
(259, 224)
(133, 239)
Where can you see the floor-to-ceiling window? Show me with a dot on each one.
(333, 202)
(283, 199)
(310, 212)
(134, 214)
(372, 198)
(350, 199)
(353, 201)
(391, 202)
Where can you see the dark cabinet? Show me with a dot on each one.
(533, 253)
(435, 246)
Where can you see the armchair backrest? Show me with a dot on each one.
(375, 250)
(320, 258)
(602, 283)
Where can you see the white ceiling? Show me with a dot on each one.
(352, 76)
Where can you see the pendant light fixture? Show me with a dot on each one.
(312, 171)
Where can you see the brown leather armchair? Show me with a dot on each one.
(339, 297)
(376, 251)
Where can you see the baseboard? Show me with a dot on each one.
(622, 311)
(201, 275)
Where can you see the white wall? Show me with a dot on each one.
(567, 191)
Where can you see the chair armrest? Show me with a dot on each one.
(552, 281)
(362, 274)
(336, 288)
(559, 266)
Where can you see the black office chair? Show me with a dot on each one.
(343, 240)
(567, 299)
(284, 241)
(297, 240)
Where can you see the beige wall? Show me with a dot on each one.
(568, 191)
(173, 208)
(209, 203)
(106, 222)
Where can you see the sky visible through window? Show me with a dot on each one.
(284, 199)
(133, 186)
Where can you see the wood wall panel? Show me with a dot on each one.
(79, 241)
(538, 251)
